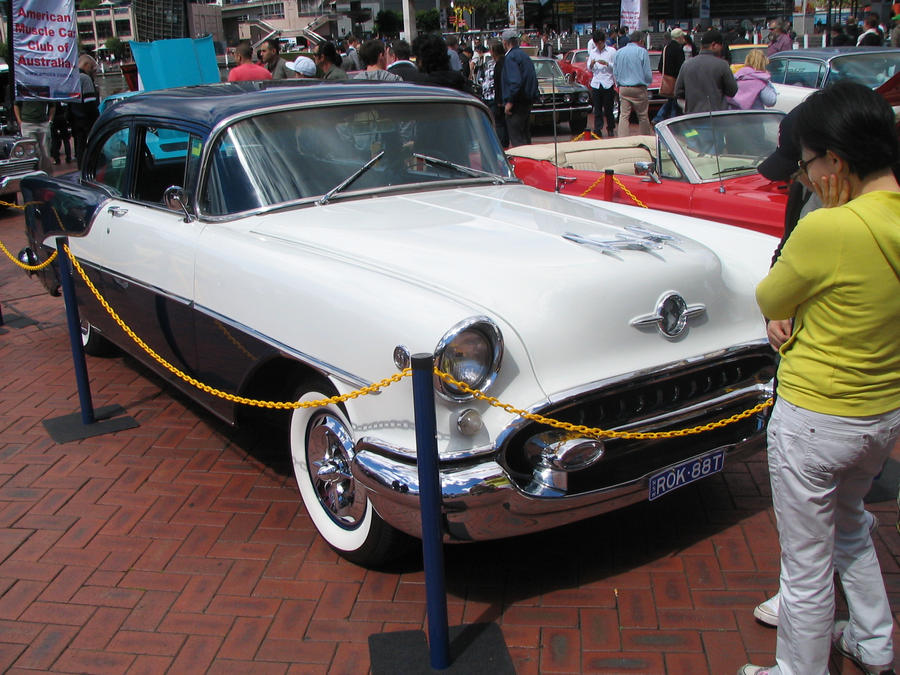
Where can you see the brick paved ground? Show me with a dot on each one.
(182, 546)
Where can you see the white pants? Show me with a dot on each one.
(821, 467)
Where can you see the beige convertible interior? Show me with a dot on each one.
(618, 154)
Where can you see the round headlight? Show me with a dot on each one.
(583, 97)
(470, 352)
(18, 151)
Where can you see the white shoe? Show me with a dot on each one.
(767, 612)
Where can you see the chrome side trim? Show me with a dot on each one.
(323, 366)
(308, 359)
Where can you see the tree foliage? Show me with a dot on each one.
(428, 20)
(87, 4)
(388, 23)
(116, 47)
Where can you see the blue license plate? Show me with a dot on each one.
(687, 472)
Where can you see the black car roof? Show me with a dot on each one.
(208, 104)
(828, 53)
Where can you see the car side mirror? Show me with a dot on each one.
(570, 77)
(175, 198)
(647, 169)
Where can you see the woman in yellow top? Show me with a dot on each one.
(838, 410)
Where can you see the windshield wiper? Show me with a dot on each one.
(468, 170)
(349, 180)
(733, 169)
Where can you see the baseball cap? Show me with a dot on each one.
(782, 164)
(302, 65)
(509, 34)
(677, 33)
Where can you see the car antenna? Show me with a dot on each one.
(712, 129)
(553, 120)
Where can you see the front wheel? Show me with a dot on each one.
(322, 451)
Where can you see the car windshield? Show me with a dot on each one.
(286, 156)
(547, 69)
(872, 70)
(741, 142)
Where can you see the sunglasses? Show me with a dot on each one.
(803, 164)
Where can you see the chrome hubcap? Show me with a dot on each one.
(329, 452)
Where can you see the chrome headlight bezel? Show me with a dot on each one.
(490, 332)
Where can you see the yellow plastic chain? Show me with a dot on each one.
(24, 266)
(602, 433)
(584, 133)
(629, 193)
(29, 268)
(620, 184)
(278, 405)
(406, 372)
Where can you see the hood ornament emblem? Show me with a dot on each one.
(637, 239)
(671, 316)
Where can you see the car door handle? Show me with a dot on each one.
(116, 211)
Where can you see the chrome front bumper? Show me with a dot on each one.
(480, 501)
(10, 183)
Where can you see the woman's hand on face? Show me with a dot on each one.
(832, 189)
(778, 331)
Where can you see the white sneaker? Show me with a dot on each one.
(767, 612)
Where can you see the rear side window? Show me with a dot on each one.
(163, 155)
(109, 166)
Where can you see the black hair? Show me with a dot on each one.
(852, 121)
(401, 50)
(370, 51)
(431, 53)
(711, 36)
(599, 36)
(328, 50)
(274, 45)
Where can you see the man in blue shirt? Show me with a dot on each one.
(631, 69)
(519, 87)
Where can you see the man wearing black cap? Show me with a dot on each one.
(520, 88)
(705, 80)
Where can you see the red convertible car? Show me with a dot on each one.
(699, 165)
(574, 66)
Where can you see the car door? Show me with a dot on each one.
(140, 251)
(794, 79)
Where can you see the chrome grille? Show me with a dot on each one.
(675, 398)
(12, 166)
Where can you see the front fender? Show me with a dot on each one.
(55, 207)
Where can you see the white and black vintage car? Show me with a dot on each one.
(298, 241)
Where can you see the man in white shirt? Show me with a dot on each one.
(603, 92)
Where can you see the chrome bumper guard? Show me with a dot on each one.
(481, 502)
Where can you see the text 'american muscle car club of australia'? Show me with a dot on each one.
(297, 241)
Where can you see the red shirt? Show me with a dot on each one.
(248, 71)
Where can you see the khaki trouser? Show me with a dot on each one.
(39, 131)
(639, 99)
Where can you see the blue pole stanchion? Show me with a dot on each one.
(430, 505)
(81, 376)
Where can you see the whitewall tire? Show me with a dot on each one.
(322, 450)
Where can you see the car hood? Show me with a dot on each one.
(501, 251)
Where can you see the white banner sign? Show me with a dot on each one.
(45, 49)
(631, 14)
